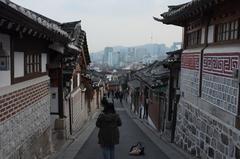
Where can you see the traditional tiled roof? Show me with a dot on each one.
(134, 84)
(173, 59)
(40, 19)
(69, 27)
(78, 37)
(178, 14)
(27, 21)
(154, 74)
(73, 47)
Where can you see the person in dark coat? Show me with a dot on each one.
(108, 135)
(104, 101)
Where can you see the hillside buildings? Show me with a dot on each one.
(147, 91)
(119, 57)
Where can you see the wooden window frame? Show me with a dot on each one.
(32, 75)
(194, 37)
(227, 31)
(32, 63)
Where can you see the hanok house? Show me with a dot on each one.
(133, 95)
(152, 94)
(68, 90)
(208, 112)
(25, 37)
(173, 63)
(98, 85)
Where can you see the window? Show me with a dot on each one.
(4, 59)
(227, 31)
(4, 63)
(33, 63)
(194, 38)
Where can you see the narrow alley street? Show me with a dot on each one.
(175, 66)
(130, 133)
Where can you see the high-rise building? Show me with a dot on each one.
(107, 56)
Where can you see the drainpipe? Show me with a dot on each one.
(60, 91)
(170, 94)
(202, 52)
(70, 111)
(200, 83)
(176, 100)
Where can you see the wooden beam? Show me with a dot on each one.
(30, 31)
(24, 30)
(18, 28)
(34, 34)
(40, 35)
(10, 25)
(2, 22)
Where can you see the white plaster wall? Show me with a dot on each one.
(22, 85)
(5, 76)
(203, 36)
(5, 79)
(194, 50)
(78, 79)
(210, 34)
(223, 49)
(54, 99)
(44, 62)
(18, 64)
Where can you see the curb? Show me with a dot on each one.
(75, 142)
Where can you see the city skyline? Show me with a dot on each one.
(112, 22)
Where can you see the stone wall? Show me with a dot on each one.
(25, 120)
(204, 135)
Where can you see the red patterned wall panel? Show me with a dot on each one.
(191, 61)
(221, 64)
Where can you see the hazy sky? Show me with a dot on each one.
(112, 22)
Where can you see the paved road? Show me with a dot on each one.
(129, 134)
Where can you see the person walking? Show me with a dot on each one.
(121, 96)
(108, 136)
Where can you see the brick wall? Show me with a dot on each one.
(25, 120)
(14, 102)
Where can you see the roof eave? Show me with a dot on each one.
(9, 12)
(168, 22)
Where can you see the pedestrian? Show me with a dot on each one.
(108, 135)
(112, 94)
(104, 101)
(121, 96)
(116, 95)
